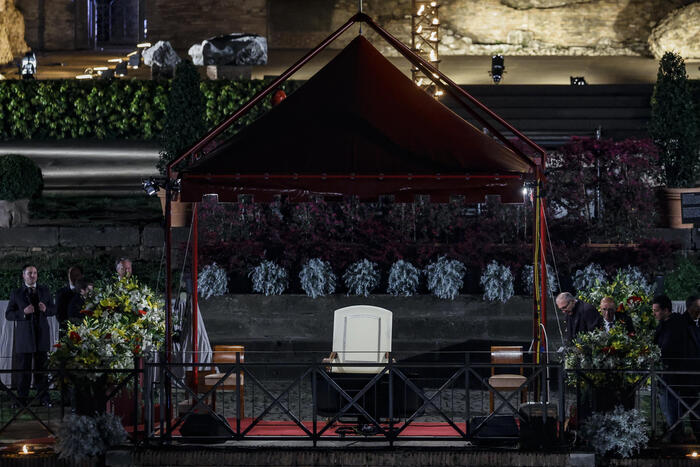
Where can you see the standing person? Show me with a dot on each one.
(608, 308)
(671, 337)
(83, 288)
(123, 267)
(29, 306)
(581, 317)
(65, 295)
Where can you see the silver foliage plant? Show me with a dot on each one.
(445, 277)
(526, 276)
(361, 277)
(212, 281)
(82, 437)
(632, 276)
(317, 278)
(591, 276)
(620, 432)
(497, 281)
(269, 278)
(403, 279)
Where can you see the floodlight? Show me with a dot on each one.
(577, 80)
(150, 186)
(120, 69)
(27, 68)
(498, 68)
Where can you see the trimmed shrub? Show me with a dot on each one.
(497, 281)
(269, 278)
(403, 279)
(620, 432)
(212, 281)
(683, 281)
(527, 279)
(445, 277)
(317, 278)
(591, 276)
(361, 278)
(20, 178)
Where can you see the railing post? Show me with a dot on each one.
(161, 396)
(314, 413)
(562, 401)
(652, 402)
(391, 401)
(467, 396)
(148, 401)
(238, 391)
(135, 374)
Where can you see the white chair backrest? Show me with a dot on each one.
(361, 334)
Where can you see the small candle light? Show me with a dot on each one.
(25, 450)
(693, 455)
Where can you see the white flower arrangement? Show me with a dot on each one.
(82, 437)
(445, 277)
(317, 278)
(403, 279)
(497, 281)
(361, 278)
(633, 278)
(212, 281)
(591, 276)
(620, 432)
(269, 278)
(527, 279)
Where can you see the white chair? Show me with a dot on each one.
(361, 334)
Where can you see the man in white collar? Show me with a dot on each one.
(28, 307)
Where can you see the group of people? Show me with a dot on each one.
(30, 307)
(678, 337)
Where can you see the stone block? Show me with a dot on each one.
(152, 236)
(29, 237)
(229, 72)
(99, 236)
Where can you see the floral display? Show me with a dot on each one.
(614, 350)
(620, 432)
(497, 281)
(361, 278)
(122, 320)
(591, 276)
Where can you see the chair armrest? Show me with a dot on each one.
(329, 359)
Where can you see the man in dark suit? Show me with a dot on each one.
(28, 307)
(65, 295)
(608, 308)
(581, 317)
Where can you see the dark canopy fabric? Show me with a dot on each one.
(359, 127)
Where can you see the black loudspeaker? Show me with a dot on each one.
(536, 433)
(206, 425)
(499, 428)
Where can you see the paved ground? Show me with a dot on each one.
(462, 69)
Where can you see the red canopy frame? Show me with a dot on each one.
(450, 88)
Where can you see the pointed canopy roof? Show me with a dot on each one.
(359, 127)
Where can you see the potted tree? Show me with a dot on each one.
(184, 126)
(674, 128)
(20, 180)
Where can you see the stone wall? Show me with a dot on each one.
(12, 44)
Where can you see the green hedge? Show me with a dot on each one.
(128, 109)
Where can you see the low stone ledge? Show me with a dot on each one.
(29, 237)
(99, 236)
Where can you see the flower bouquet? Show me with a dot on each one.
(122, 320)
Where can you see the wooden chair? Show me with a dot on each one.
(225, 355)
(505, 381)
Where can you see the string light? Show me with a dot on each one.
(425, 37)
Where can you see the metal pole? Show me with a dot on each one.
(168, 289)
(195, 302)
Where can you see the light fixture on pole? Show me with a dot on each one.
(425, 38)
(498, 68)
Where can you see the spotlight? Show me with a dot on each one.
(498, 68)
(577, 80)
(106, 74)
(150, 186)
(27, 68)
